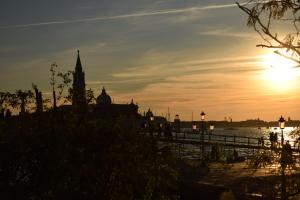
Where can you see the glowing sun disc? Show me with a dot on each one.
(280, 72)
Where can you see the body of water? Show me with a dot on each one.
(246, 132)
(252, 132)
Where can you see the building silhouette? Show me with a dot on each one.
(104, 107)
(78, 90)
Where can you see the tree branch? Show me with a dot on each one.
(275, 9)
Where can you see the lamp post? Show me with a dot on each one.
(151, 125)
(194, 128)
(211, 128)
(281, 126)
(281, 122)
(202, 115)
(177, 124)
(160, 126)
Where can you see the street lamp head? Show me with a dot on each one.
(194, 127)
(202, 116)
(281, 122)
(211, 127)
(177, 117)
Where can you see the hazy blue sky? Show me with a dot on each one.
(187, 55)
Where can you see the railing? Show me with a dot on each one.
(227, 140)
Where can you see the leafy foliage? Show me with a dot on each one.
(262, 159)
(284, 164)
(71, 158)
(4, 97)
(20, 100)
(264, 16)
(59, 82)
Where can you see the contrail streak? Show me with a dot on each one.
(125, 16)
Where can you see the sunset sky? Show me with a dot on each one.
(189, 55)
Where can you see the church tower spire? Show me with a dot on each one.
(78, 66)
(79, 94)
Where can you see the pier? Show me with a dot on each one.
(234, 141)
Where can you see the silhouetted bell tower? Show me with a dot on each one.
(79, 96)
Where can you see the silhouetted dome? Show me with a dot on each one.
(103, 98)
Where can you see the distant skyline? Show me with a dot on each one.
(186, 55)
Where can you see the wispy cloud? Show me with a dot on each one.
(124, 16)
(226, 32)
(221, 65)
(225, 93)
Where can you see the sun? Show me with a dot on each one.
(280, 73)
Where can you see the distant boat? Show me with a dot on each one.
(275, 128)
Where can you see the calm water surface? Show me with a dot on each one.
(192, 150)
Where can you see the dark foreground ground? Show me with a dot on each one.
(230, 181)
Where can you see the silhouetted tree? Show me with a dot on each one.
(4, 96)
(20, 100)
(60, 82)
(38, 99)
(103, 160)
(285, 161)
(263, 16)
(90, 97)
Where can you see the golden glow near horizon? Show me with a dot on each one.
(280, 73)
